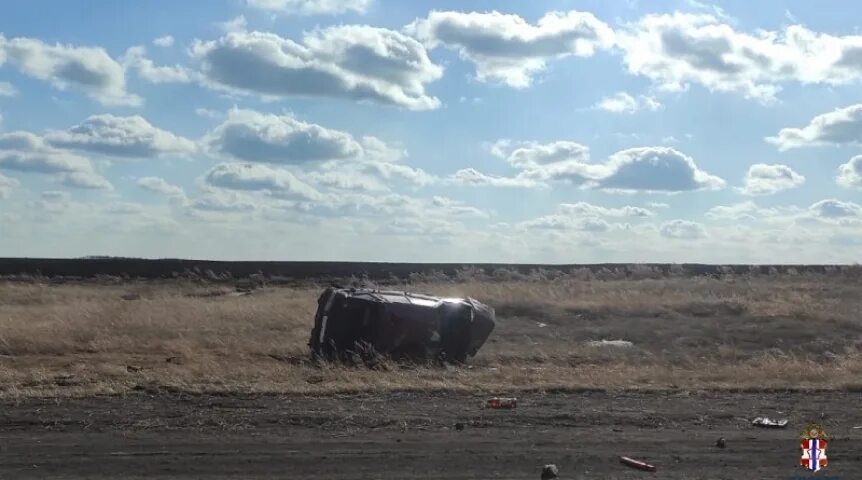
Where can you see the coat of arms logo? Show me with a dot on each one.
(814, 441)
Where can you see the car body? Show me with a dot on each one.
(399, 324)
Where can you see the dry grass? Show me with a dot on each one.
(799, 331)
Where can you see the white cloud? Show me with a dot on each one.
(132, 137)
(836, 209)
(311, 7)
(842, 126)
(850, 173)
(506, 48)
(586, 217)
(165, 41)
(135, 58)
(655, 169)
(7, 184)
(85, 180)
(675, 50)
(622, 102)
(7, 89)
(744, 211)
(280, 139)
(682, 229)
(763, 179)
(236, 24)
(822, 213)
(345, 180)
(394, 171)
(584, 209)
(533, 155)
(89, 69)
(222, 201)
(355, 62)
(474, 178)
(26, 152)
(159, 185)
(643, 169)
(256, 177)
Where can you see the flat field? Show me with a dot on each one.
(190, 378)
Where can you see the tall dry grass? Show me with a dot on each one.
(745, 331)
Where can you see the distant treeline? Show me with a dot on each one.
(91, 267)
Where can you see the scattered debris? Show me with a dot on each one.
(610, 343)
(765, 422)
(134, 368)
(502, 402)
(130, 296)
(541, 324)
(550, 471)
(721, 442)
(175, 360)
(459, 426)
(631, 462)
(857, 427)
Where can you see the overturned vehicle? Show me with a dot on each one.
(399, 324)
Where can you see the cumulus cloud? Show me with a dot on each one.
(842, 126)
(132, 137)
(584, 209)
(622, 102)
(160, 185)
(279, 139)
(136, 58)
(850, 174)
(345, 180)
(679, 49)
(311, 7)
(655, 169)
(26, 152)
(256, 177)
(682, 229)
(835, 209)
(743, 211)
(85, 180)
(164, 41)
(474, 178)
(6, 185)
(643, 169)
(222, 201)
(583, 216)
(763, 179)
(89, 69)
(506, 48)
(7, 89)
(355, 62)
(399, 172)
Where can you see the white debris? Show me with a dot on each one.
(610, 343)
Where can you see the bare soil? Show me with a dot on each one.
(413, 435)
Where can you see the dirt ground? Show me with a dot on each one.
(414, 435)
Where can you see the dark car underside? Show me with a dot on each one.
(399, 324)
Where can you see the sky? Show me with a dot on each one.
(432, 131)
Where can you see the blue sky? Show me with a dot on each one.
(556, 131)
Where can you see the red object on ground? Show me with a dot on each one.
(502, 402)
(631, 462)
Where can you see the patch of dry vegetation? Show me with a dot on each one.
(734, 331)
